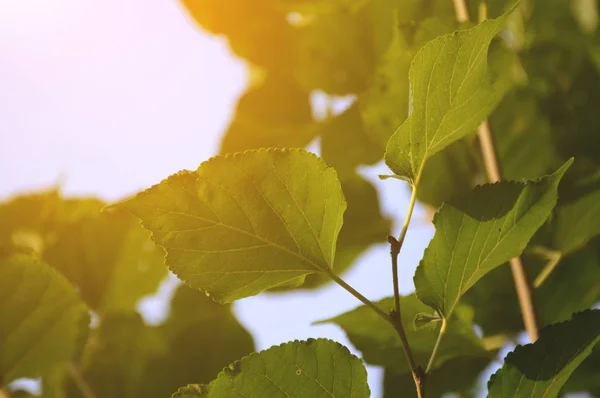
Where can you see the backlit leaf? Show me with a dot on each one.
(299, 369)
(40, 318)
(478, 232)
(542, 368)
(452, 92)
(247, 222)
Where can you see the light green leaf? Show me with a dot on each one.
(363, 226)
(380, 344)
(476, 233)
(313, 368)
(109, 257)
(452, 92)
(247, 222)
(542, 368)
(40, 321)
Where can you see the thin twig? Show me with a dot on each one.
(80, 381)
(492, 167)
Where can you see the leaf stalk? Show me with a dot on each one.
(436, 346)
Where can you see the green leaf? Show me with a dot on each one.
(275, 113)
(585, 377)
(447, 174)
(247, 222)
(542, 368)
(248, 27)
(577, 222)
(573, 286)
(191, 391)
(109, 257)
(119, 359)
(313, 368)
(384, 105)
(452, 92)
(131, 359)
(363, 227)
(458, 375)
(41, 315)
(343, 62)
(358, 149)
(523, 137)
(476, 233)
(380, 344)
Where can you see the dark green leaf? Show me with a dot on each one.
(41, 315)
(447, 174)
(131, 359)
(476, 233)
(577, 222)
(313, 368)
(357, 149)
(542, 368)
(343, 62)
(275, 113)
(380, 344)
(458, 375)
(245, 223)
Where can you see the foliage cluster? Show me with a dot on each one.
(267, 215)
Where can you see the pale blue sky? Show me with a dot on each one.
(108, 97)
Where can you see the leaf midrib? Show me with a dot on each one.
(317, 267)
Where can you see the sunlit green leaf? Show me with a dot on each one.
(41, 315)
(452, 92)
(542, 368)
(244, 223)
(476, 233)
(380, 344)
(313, 368)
